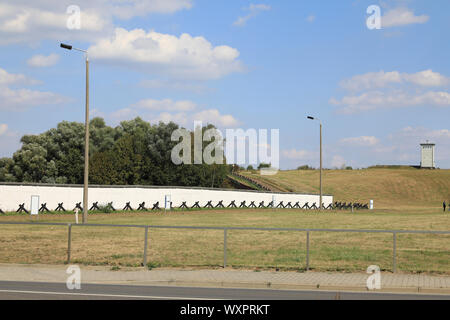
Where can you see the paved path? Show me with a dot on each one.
(406, 283)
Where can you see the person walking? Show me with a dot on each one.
(444, 205)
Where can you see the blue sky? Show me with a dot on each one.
(238, 64)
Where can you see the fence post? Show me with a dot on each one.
(225, 247)
(307, 250)
(394, 254)
(145, 246)
(69, 242)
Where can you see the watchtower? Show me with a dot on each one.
(427, 155)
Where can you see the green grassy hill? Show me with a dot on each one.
(399, 187)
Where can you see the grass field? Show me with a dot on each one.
(249, 249)
(389, 188)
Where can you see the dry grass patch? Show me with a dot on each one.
(389, 188)
(423, 253)
(186, 247)
(260, 249)
(33, 244)
(267, 249)
(107, 246)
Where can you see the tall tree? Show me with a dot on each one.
(135, 152)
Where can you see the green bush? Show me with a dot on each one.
(305, 167)
(105, 208)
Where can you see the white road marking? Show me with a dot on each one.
(103, 295)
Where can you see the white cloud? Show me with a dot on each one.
(94, 112)
(22, 99)
(383, 90)
(421, 133)
(374, 100)
(178, 57)
(3, 128)
(7, 79)
(437, 134)
(427, 78)
(381, 79)
(371, 80)
(400, 147)
(32, 21)
(311, 18)
(401, 17)
(123, 114)
(180, 118)
(183, 112)
(384, 150)
(295, 154)
(337, 161)
(254, 9)
(166, 104)
(212, 116)
(365, 141)
(190, 86)
(43, 61)
(215, 117)
(9, 141)
(407, 140)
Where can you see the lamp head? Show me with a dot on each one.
(66, 46)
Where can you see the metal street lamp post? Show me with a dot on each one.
(312, 118)
(86, 136)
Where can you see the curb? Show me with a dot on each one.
(276, 286)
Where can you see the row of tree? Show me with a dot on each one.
(133, 153)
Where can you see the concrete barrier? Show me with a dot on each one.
(13, 194)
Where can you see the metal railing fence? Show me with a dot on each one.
(225, 233)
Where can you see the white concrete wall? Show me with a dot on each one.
(11, 195)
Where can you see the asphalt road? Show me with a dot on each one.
(58, 291)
